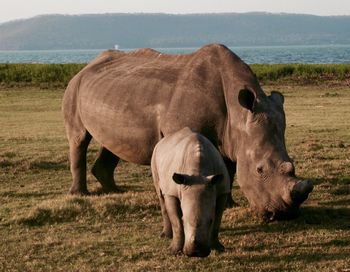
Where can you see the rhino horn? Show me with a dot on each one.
(301, 191)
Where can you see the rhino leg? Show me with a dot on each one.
(103, 170)
(173, 208)
(167, 231)
(231, 168)
(221, 203)
(78, 145)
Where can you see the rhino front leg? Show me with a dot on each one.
(173, 209)
(103, 170)
(220, 207)
(167, 230)
(77, 156)
(231, 168)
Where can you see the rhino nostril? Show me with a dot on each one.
(301, 191)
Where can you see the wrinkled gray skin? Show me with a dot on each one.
(129, 101)
(192, 184)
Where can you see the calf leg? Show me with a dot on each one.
(103, 169)
(173, 209)
(220, 207)
(77, 155)
(167, 230)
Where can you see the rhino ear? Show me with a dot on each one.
(247, 99)
(179, 178)
(213, 179)
(277, 97)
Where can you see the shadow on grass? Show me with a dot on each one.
(14, 194)
(121, 189)
(86, 209)
(282, 260)
(326, 218)
(309, 217)
(341, 202)
(5, 163)
(332, 181)
(24, 165)
(342, 190)
(48, 165)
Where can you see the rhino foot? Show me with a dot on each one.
(112, 189)
(103, 171)
(166, 234)
(79, 192)
(175, 249)
(217, 246)
(230, 203)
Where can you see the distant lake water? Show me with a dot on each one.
(260, 54)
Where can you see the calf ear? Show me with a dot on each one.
(213, 179)
(277, 97)
(179, 178)
(246, 99)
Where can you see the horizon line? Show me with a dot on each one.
(167, 13)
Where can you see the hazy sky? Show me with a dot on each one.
(15, 9)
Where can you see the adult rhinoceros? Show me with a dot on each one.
(129, 101)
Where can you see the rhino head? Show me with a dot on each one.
(265, 172)
(198, 205)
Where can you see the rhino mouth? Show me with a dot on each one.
(281, 212)
(270, 216)
(281, 209)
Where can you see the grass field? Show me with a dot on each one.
(58, 75)
(44, 229)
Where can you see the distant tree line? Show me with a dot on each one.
(164, 30)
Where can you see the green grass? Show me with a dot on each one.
(58, 75)
(42, 75)
(302, 73)
(44, 229)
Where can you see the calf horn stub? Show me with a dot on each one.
(301, 191)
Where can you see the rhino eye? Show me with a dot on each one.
(260, 170)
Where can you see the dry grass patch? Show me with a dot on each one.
(43, 229)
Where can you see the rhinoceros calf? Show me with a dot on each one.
(128, 102)
(192, 184)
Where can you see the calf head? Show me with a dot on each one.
(265, 172)
(198, 202)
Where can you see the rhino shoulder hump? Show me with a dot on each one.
(145, 52)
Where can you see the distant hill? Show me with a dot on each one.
(164, 30)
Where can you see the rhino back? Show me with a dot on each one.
(122, 102)
(128, 101)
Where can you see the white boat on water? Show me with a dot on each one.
(116, 46)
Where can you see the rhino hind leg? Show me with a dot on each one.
(103, 170)
(78, 144)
